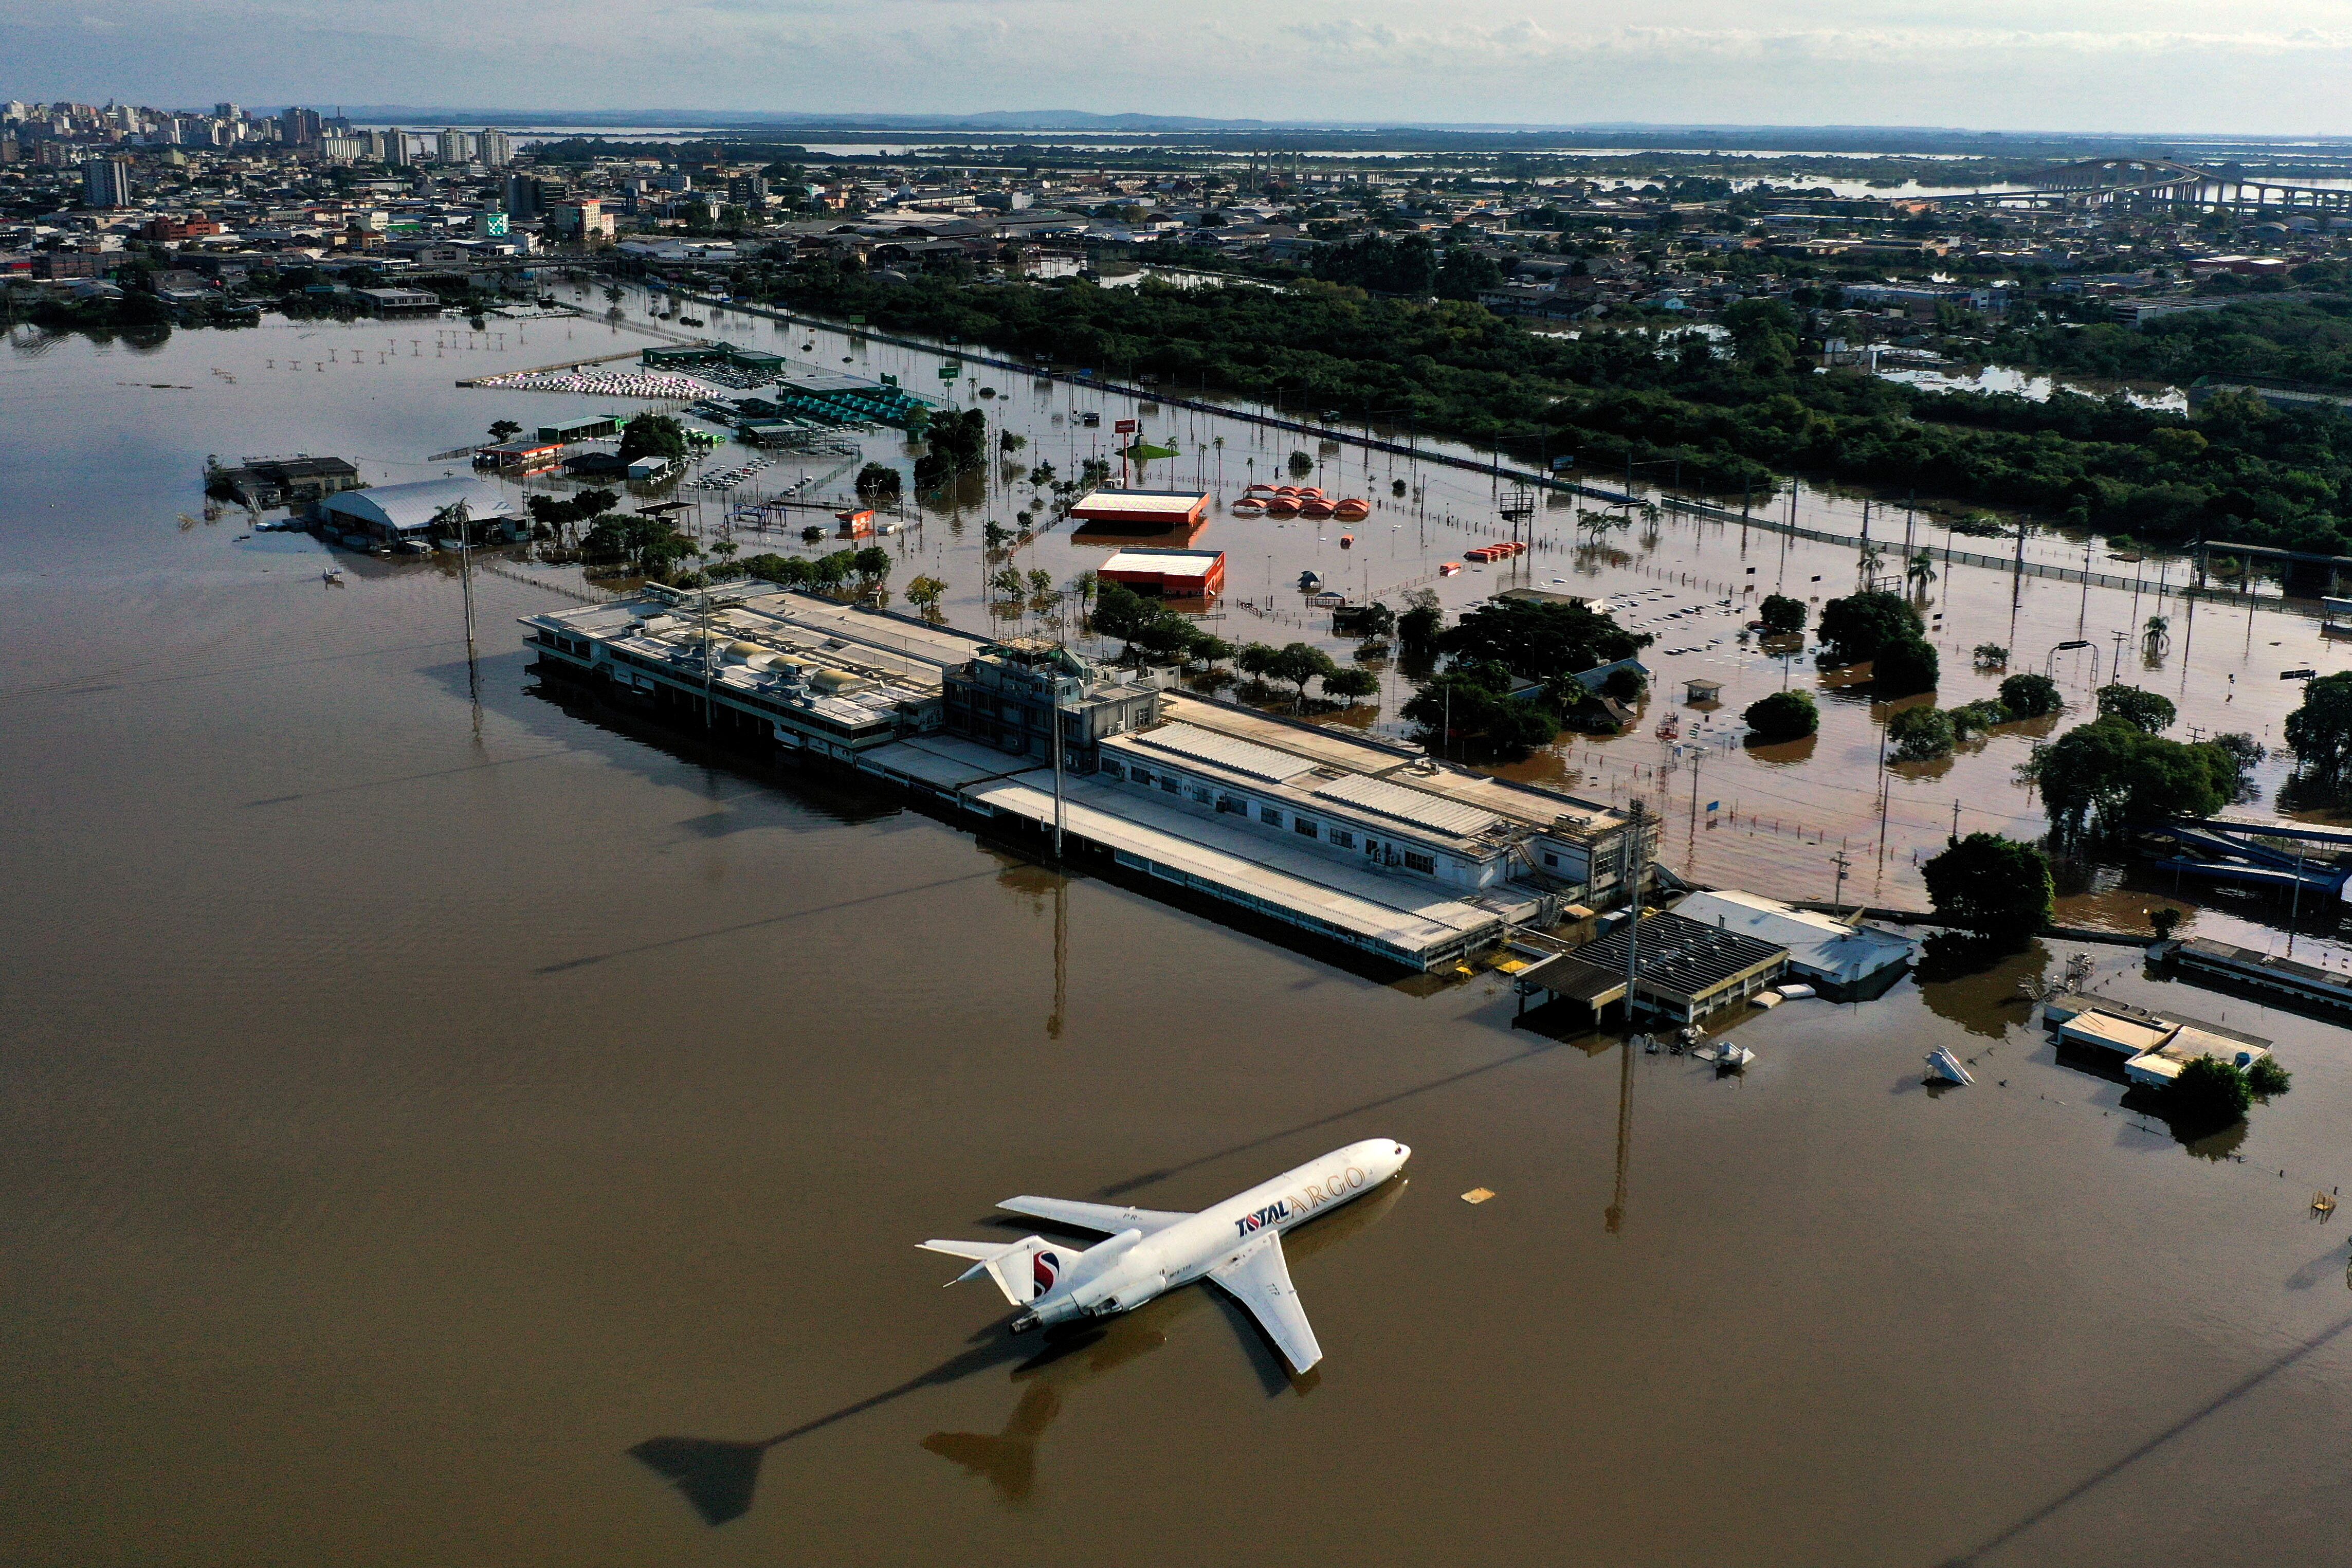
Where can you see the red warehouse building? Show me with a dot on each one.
(1145, 511)
(1171, 573)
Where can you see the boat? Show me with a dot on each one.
(1726, 1057)
(1351, 511)
(2321, 1203)
(1249, 506)
(1942, 1064)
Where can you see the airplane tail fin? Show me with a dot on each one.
(1024, 1270)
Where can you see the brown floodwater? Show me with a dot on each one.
(444, 1124)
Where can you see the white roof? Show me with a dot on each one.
(1166, 563)
(1175, 503)
(1226, 752)
(1417, 806)
(1820, 946)
(406, 508)
(2116, 1034)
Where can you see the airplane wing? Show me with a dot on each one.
(1259, 1279)
(1108, 1218)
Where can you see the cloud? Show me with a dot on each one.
(2155, 65)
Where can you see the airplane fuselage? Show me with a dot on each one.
(1132, 1268)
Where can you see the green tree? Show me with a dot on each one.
(2207, 1095)
(2319, 732)
(652, 435)
(1764, 334)
(1994, 886)
(2107, 778)
(1419, 627)
(924, 592)
(877, 482)
(1540, 641)
(504, 430)
(1784, 716)
(2266, 1078)
(1119, 611)
(1781, 615)
(1903, 667)
(1920, 735)
(1353, 684)
(2026, 695)
(2143, 710)
(1299, 663)
(1857, 626)
(1471, 705)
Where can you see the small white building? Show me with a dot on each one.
(1849, 961)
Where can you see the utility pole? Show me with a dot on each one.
(1837, 895)
(1637, 859)
(1056, 709)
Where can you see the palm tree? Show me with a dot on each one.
(1921, 570)
(2156, 637)
(1870, 558)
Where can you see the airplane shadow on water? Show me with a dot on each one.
(717, 1477)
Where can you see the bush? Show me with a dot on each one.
(1904, 668)
(1975, 718)
(2209, 1093)
(1784, 716)
(2030, 695)
(1920, 735)
(2266, 1078)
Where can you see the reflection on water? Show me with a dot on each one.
(717, 1477)
(1975, 985)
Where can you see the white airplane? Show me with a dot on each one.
(1236, 1245)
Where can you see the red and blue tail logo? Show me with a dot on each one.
(1042, 1270)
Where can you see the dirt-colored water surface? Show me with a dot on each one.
(441, 1125)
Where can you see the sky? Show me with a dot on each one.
(2152, 66)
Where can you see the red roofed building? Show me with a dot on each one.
(1171, 573)
(1145, 511)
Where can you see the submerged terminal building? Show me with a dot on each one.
(1350, 841)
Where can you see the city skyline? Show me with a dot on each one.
(2189, 68)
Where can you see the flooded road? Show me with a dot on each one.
(440, 1131)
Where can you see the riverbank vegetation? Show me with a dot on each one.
(1734, 420)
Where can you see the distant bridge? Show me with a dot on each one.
(2139, 183)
